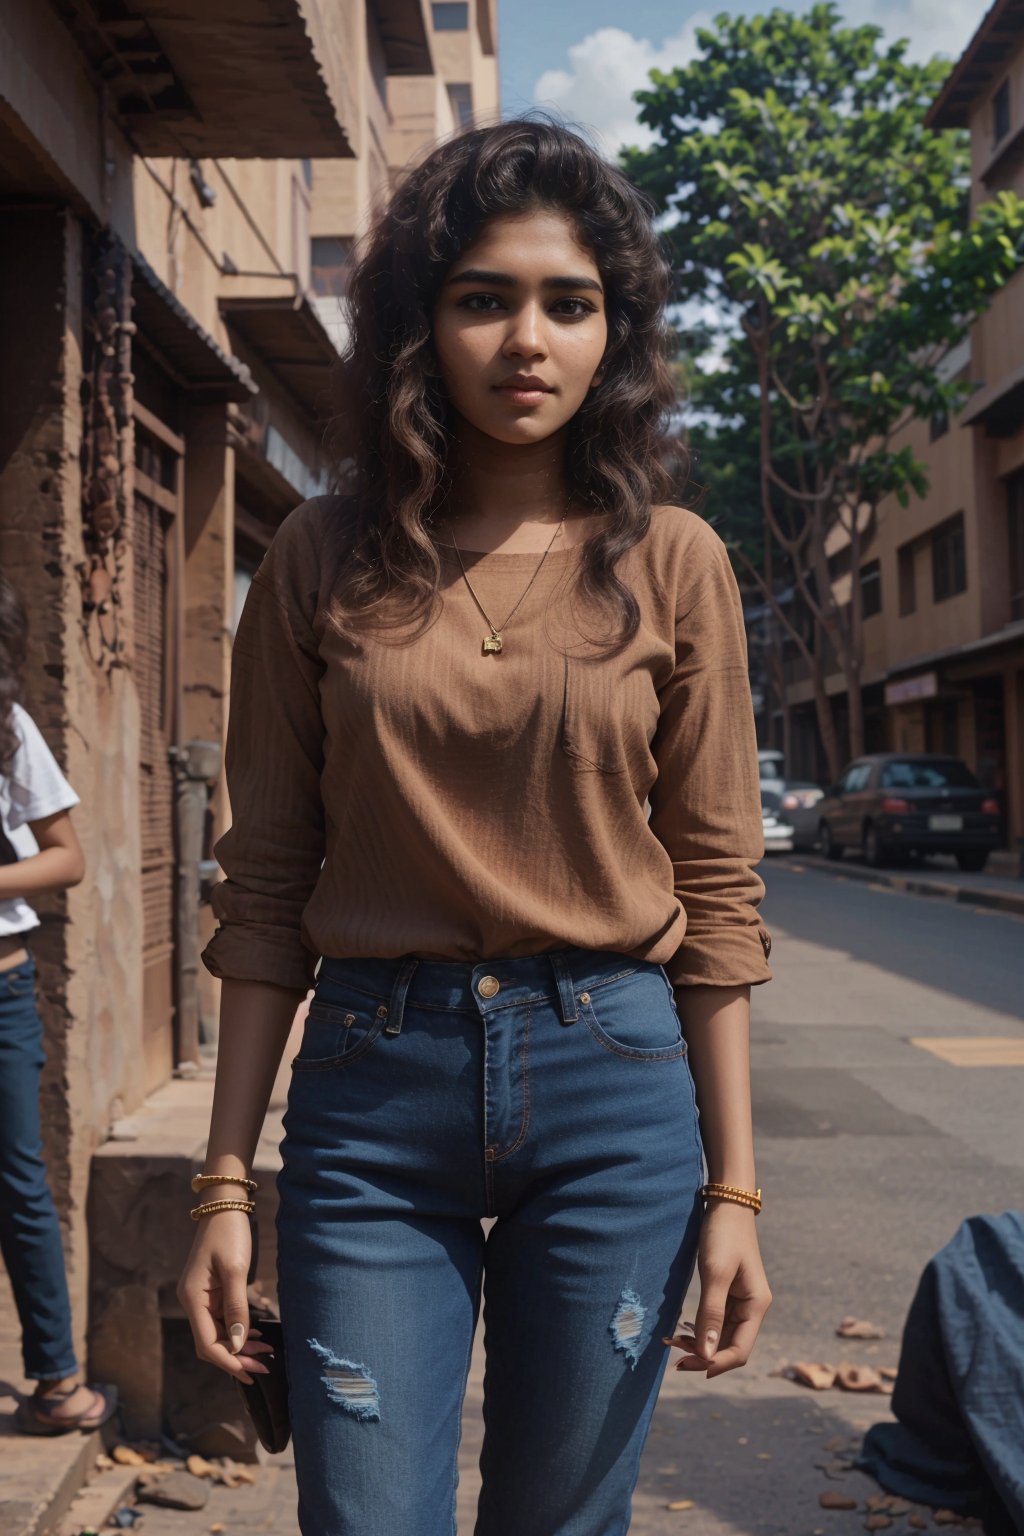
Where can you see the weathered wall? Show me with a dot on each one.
(87, 947)
(33, 447)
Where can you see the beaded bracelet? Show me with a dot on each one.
(197, 1211)
(201, 1181)
(750, 1198)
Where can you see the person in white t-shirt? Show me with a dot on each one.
(39, 852)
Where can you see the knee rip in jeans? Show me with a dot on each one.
(627, 1326)
(349, 1385)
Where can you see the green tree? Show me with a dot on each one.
(826, 229)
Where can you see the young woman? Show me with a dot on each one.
(39, 852)
(491, 754)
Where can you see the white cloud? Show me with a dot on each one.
(607, 66)
(596, 91)
(933, 26)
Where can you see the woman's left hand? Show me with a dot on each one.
(734, 1293)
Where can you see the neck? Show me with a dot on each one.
(507, 484)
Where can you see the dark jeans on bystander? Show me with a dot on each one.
(29, 1228)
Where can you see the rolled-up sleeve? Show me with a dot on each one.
(706, 802)
(272, 853)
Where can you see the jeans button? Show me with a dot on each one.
(488, 986)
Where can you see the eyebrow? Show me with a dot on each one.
(505, 280)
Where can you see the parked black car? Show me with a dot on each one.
(893, 803)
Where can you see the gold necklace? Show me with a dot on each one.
(492, 643)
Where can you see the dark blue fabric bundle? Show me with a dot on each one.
(959, 1393)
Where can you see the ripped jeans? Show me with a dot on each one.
(550, 1093)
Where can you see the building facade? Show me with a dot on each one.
(179, 193)
(943, 580)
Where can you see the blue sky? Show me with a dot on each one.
(584, 58)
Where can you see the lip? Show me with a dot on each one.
(525, 384)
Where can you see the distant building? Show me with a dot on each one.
(180, 187)
(943, 581)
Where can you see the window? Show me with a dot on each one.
(331, 259)
(871, 588)
(461, 100)
(450, 18)
(915, 774)
(949, 559)
(855, 778)
(938, 426)
(1000, 112)
(1015, 527)
(907, 579)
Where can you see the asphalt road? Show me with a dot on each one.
(871, 1150)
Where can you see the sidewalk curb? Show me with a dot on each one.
(56, 1484)
(912, 885)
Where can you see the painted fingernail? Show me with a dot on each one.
(236, 1333)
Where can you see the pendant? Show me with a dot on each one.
(492, 642)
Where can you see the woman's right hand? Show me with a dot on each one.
(212, 1290)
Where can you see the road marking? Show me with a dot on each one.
(974, 1050)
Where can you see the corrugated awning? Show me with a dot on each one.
(998, 407)
(403, 34)
(267, 78)
(190, 353)
(288, 335)
(985, 57)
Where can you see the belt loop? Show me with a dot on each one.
(396, 1007)
(566, 993)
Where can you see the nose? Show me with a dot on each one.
(525, 335)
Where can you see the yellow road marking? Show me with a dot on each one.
(974, 1050)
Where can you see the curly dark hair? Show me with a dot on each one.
(393, 428)
(13, 650)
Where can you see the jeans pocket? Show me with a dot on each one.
(336, 1034)
(19, 982)
(635, 1016)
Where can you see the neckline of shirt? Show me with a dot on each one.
(523, 556)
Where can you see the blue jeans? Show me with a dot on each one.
(29, 1229)
(552, 1094)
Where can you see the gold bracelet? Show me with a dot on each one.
(201, 1181)
(750, 1198)
(197, 1211)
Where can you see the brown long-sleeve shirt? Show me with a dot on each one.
(407, 794)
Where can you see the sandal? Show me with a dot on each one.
(32, 1418)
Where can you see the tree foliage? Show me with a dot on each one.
(827, 233)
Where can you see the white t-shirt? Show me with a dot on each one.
(33, 787)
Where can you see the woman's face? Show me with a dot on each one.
(520, 327)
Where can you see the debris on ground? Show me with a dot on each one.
(858, 1328)
(811, 1374)
(128, 1456)
(833, 1499)
(680, 1504)
(850, 1377)
(174, 1490)
(858, 1378)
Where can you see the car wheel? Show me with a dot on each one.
(830, 849)
(971, 861)
(872, 848)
